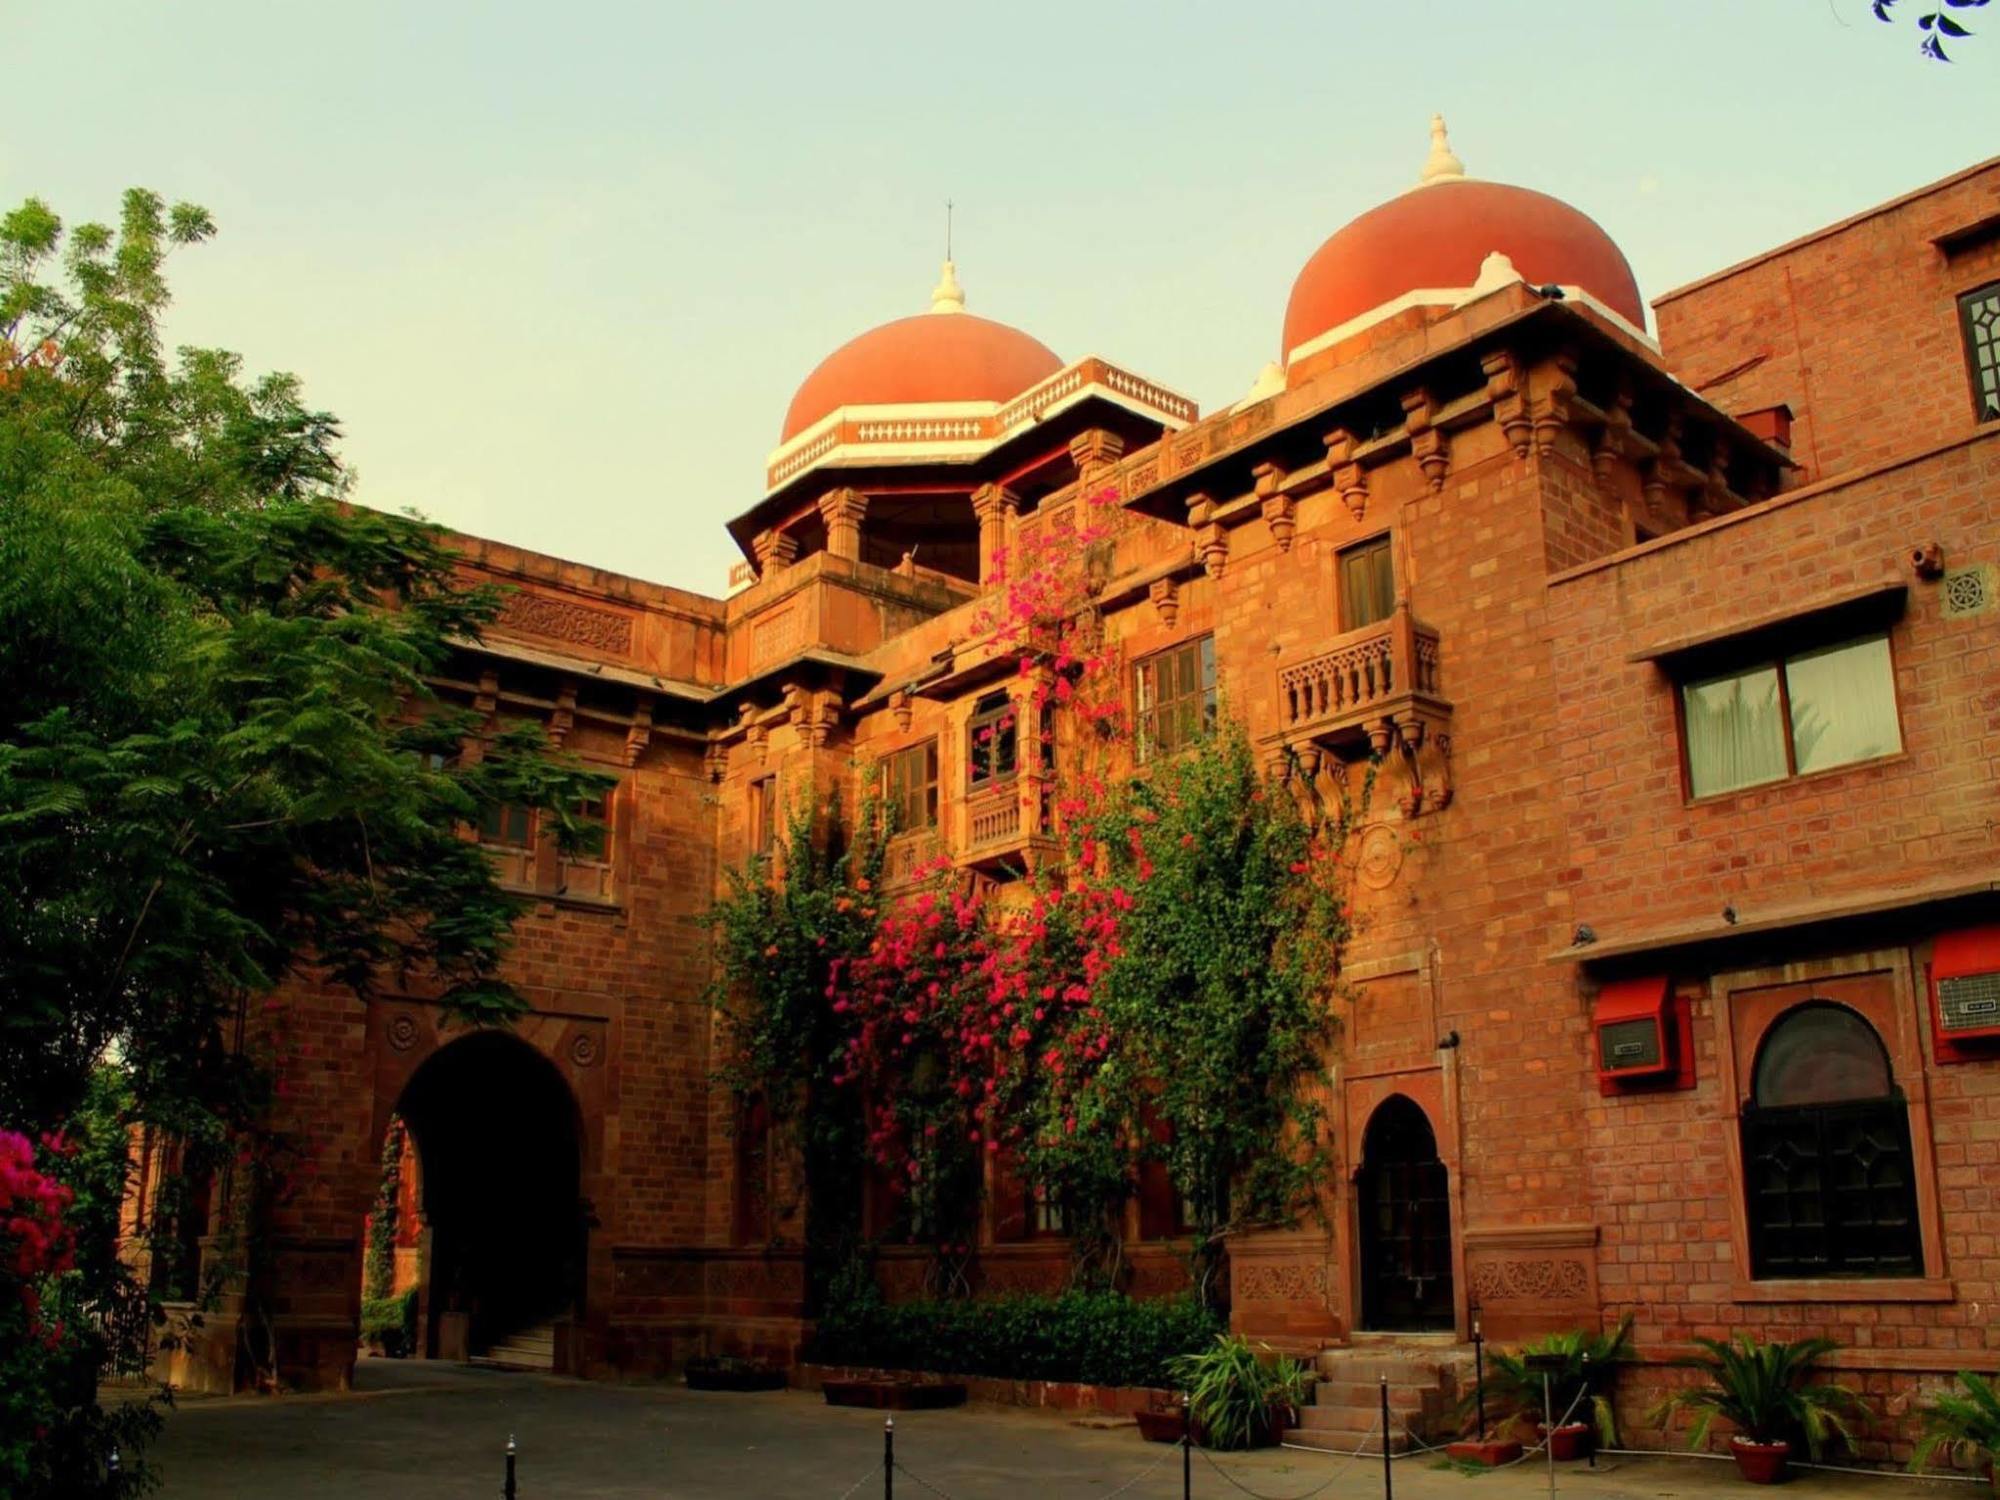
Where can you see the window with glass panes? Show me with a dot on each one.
(1979, 313)
(1174, 693)
(910, 782)
(1809, 711)
(993, 741)
(1367, 584)
(507, 824)
(594, 813)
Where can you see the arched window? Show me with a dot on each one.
(1826, 1152)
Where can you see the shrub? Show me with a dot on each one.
(1590, 1360)
(391, 1322)
(1962, 1424)
(1098, 1338)
(1234, 1395)
(1766, 1391)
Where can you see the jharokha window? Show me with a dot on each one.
(910, 785)
(1979, 314)
(1809, 711)
(1367, 584)
(993, 741)
(1829, 1183)
(1174, 692)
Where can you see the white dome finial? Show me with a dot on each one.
(948, 296)
(1442, 165)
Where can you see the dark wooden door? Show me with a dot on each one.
(1405, 1223)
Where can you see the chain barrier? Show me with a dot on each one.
(909, 1473)
(854, 1487)
(1171, 1451)
(1347, 1461)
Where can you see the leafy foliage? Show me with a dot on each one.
(1098, 1337)
(219, 758)
(378, 1269)
(1963, 1424)
(1235, 1395)
(1590, 1363)
(783, 931)
(1767, 1391)
(1936, 24)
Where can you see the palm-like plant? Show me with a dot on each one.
(1514, 1383)
(1233, 1395)
(1766, 1391)
(1965, 1426)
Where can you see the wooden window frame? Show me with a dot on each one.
(501, 841)
(1386, 541)
(1776, 656)
(763, 814)
(930, 784)
(1966, 299)
(1206, 696)
(1005, 713)
(1881, 987)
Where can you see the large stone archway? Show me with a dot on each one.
(499, 1140)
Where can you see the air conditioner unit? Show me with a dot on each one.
(1643, 1036)
(1965, 992)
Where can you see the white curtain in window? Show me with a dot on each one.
(1735, 731)
(1843, 704)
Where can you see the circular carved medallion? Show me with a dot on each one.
(1381, 858)
(583, 1050)
(402, 1031)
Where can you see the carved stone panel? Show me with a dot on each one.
(568, 621)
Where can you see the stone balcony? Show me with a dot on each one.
(1378, 687)
(1007, 826)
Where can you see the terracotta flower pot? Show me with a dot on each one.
(1567, 1443)
(1160, 1426)
(1760, 1463)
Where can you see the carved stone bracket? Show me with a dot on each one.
(1166, 596)
(899, 704)
(1211, 543)
(773, 550)
(995, 505)
(1427, 443)
(640, 734)
(1350, 482)
(562, 719)
(715, 760)
(487, 699)
(1279, 509)
(843, 510)
(1510, 407)
(1611, 438)
(1549, 405)
(1429, 777)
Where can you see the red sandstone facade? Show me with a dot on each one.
(1583, 528)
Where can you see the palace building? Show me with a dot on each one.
(1677, 989)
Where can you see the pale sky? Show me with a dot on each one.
(559, 267)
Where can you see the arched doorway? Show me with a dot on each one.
(1405, 1223)
(499, 1141)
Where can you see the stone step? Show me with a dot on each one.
(1360, 1394)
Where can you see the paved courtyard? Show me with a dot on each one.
(418, 1432)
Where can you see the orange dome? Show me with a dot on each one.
(1436, 236)
(943, 355)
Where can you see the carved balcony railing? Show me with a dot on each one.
(1379, 686)
(909, 856)
(1008, 824)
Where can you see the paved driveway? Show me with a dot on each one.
(422, 1432)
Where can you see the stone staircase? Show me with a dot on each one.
(1425, 1380)
(524, 1349)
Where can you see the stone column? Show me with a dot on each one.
(995, 505)
(842, 511)
(1094, 451)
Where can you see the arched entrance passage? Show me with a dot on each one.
(1402, 1194)
(498, 1137)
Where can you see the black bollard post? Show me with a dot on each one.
(1388, 1483)
(1589, 1413)
(507, 1489)
(1187, 1446)
(888, 1458)
(1479, 1376)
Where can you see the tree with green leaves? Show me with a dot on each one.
(220, 759)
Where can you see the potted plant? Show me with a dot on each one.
(1965, 1426)
(1235, 1398)
(1580, 1367)
(1768, 1393)
(726, 1372)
